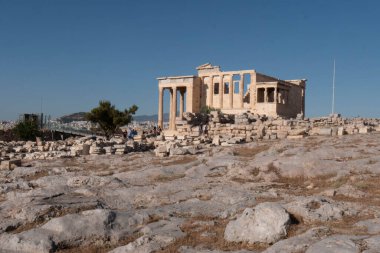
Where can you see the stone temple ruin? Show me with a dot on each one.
(232, 92)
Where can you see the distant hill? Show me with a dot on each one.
(79, 116)
(154, 117)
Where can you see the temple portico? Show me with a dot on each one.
(231, 92)
(187, 87)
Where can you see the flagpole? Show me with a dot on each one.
(333, 92)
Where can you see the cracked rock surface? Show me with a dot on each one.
(317, 194)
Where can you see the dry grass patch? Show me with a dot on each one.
(255, 172)
(204, 197)
(36, 175)
(311, 144)
(86, 164)
(297, 185)
(346, 225)
(208, 232)
(339, 182)
(343, 226)
(369, 185)
(73, 168)
(133, 156)
(288, 155)
(267, 199)
(136, 162)
(250, 179)
(322, 181)
(174, 160)
(342, 159)
(162, 178)
(358, 140)
(96, 166)
(250, 152)
(274, 169)
(104, 173)
(341, 146)
(370, 162)
(363, 185)
(131, 167)
(94, 248)
(72, 162)
(243, 180)
(282, 149)
(217, 171)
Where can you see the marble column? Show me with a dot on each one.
(241, 91)
(181, 103)
(203, 92)
(160, 107)
(211, 92)
(275, 95)
(171, 110)
(252, 91)
(174, 108)
(266, 95)
(231, 92)
(221, 92)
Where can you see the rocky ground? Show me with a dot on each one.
(317, 194)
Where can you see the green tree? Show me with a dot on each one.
(27, 130)
(207, 109)
(109, 118)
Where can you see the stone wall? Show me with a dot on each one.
(252, 126)
(71, 147)
(195, 132)
(223, 129)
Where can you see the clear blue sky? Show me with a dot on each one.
(74, 53)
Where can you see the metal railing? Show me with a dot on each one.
(70, 130)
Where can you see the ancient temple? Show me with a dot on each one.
(232, 92)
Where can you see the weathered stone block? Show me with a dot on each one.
(216, 140)
(300, 131)
(161, 149)
(295, 137)
(10, 164)
(325, 131)
(341, 131)
(181, 137)
(363, 130)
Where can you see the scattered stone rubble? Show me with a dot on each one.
(12, 153)
(316, 194)
(217, 128)
(194, 133)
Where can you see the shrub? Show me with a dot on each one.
(27, 130)
(109, 119)
(208, 109)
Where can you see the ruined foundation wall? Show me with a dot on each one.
(198, 131)
(250, 127)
